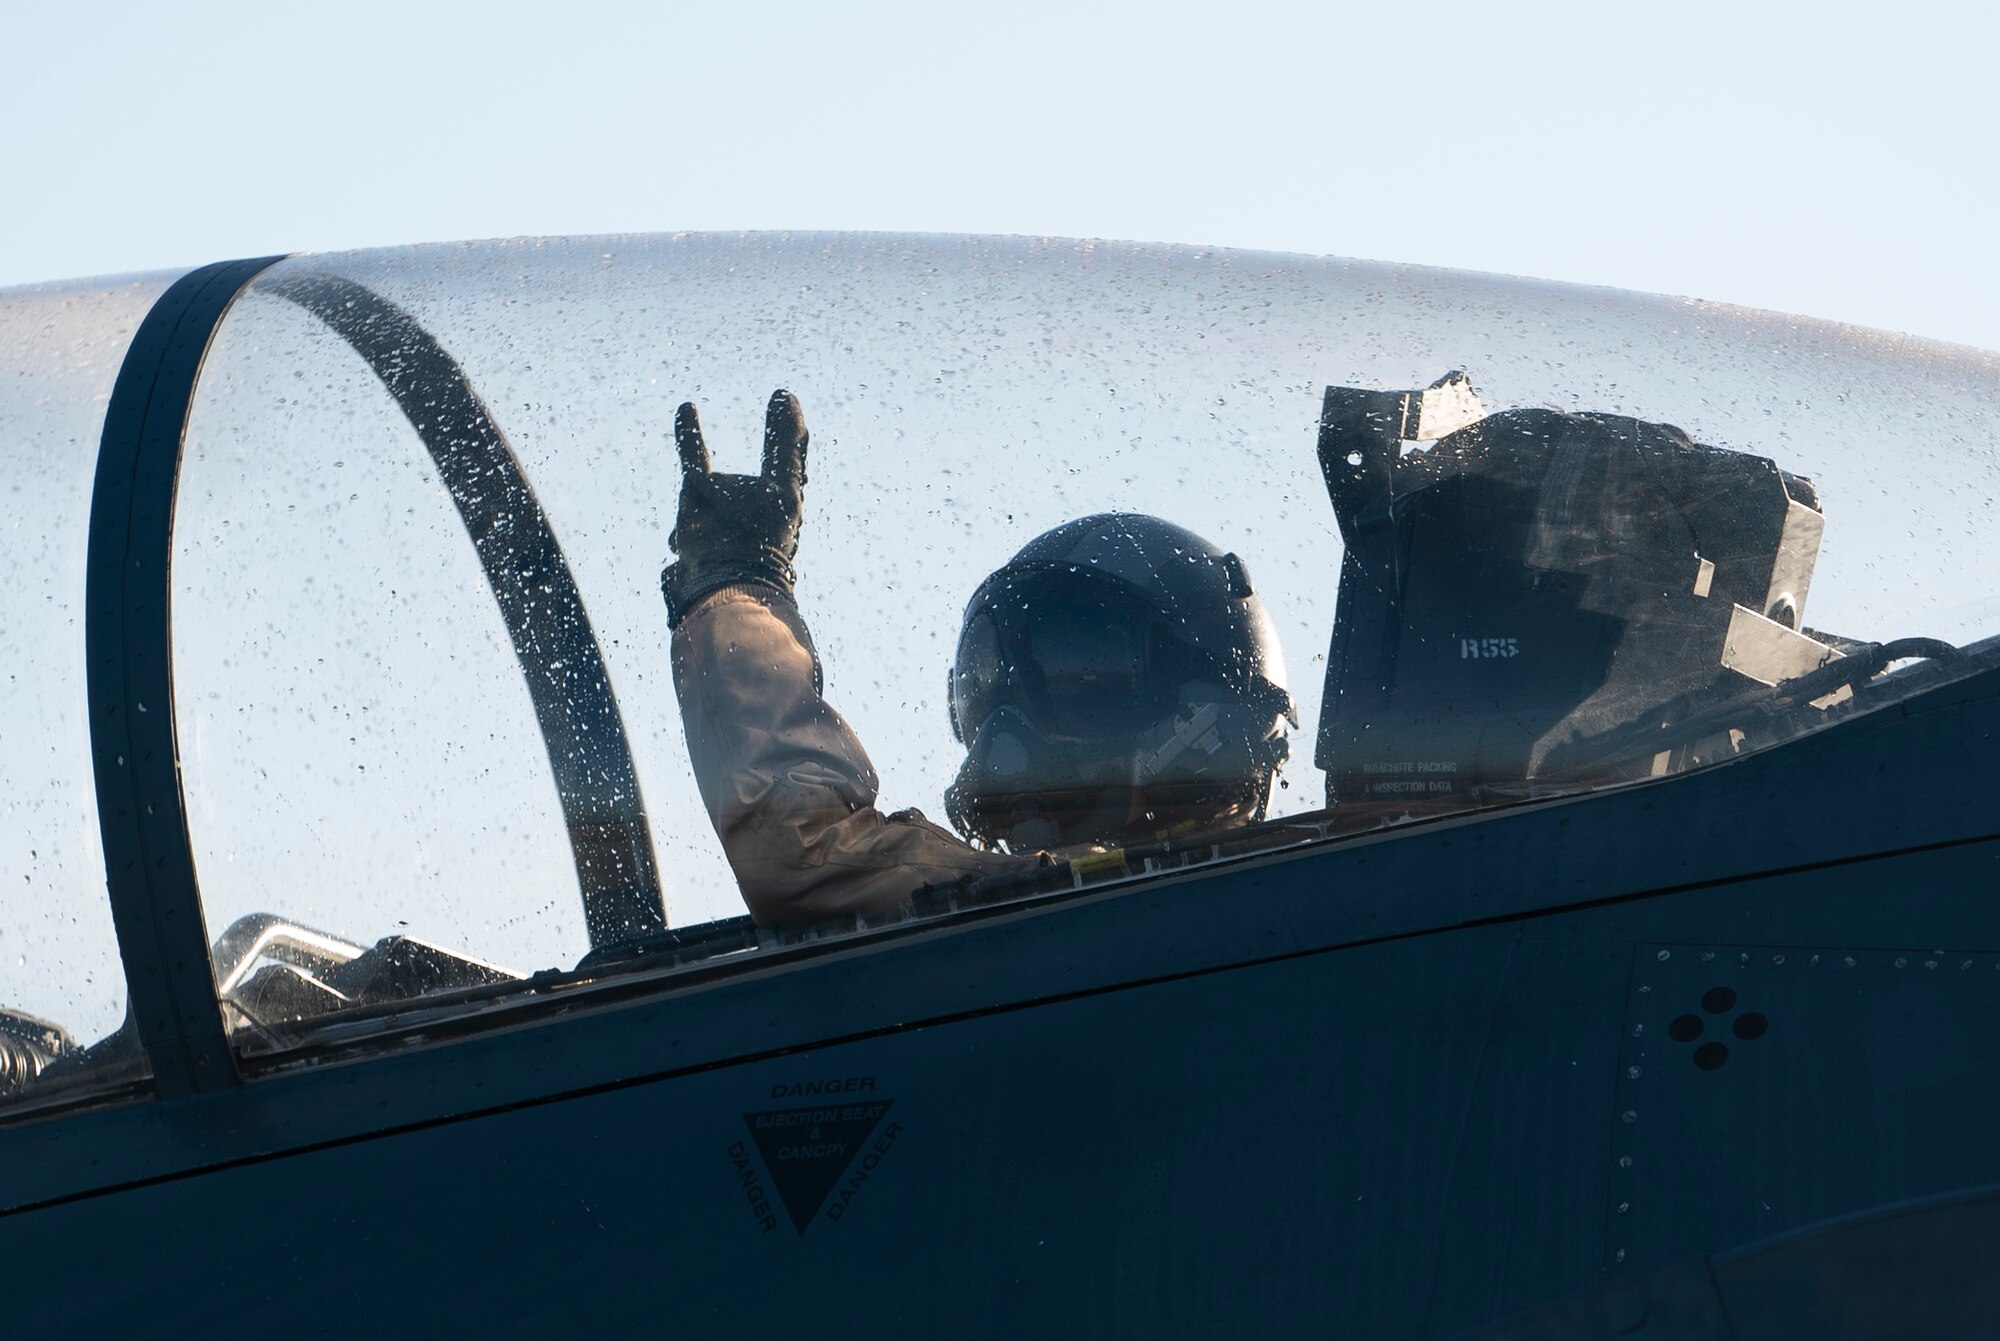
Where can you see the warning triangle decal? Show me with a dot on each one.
(807, 1149)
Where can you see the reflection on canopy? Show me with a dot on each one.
(529, 577)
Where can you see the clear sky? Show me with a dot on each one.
(1831, 159)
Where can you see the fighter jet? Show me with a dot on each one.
(1613, 950)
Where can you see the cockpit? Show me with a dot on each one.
(401, 704)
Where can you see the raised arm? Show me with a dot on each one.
(786, 783)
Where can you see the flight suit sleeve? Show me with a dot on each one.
(786, 782)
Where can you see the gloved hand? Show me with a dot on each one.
(736, 528)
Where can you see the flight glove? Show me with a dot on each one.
(733, 529)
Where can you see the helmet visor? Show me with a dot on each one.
(1085, 658)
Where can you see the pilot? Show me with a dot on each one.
(1116, 682)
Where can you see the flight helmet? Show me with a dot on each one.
(1118, 680)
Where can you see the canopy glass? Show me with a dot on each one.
(428, 726)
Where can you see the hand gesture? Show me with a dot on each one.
(734, 529)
